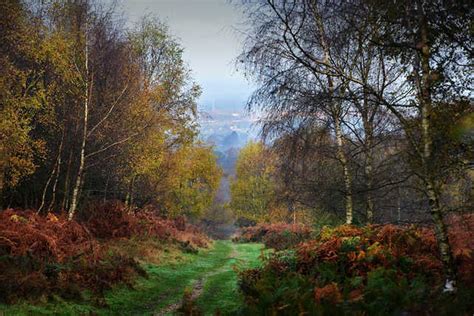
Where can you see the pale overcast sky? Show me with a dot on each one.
(207, 31)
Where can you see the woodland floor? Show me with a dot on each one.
(209, 278)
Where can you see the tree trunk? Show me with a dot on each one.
(369, 185)
(345, 170)
(54, 173)
(80, 172)
(129, 196)
(45, 189)
(368, 170)
(65, 202)
(441, 232)
(426, 160)
(399, 206)
(336, 115)
(131, 191)
(55, 185)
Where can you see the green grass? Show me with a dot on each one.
(220, 289)
(165, 285)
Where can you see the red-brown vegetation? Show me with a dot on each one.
(115, 220)
(361, 268)
(277, 235)
(43, 255)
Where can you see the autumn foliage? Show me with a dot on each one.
(276, 235)
(45, 255)
(383, 269)
(115, 220)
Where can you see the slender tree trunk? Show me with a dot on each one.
(368, 170)
(368, 111)
(399, 206)
(54, 173)
(336, 115)
(369, 184)
(132, 183)
(368, 124)
(46, 186)
(55, 185)
(65, 202)
(291, 210)
(345, 170)
(429, 182)
(129, 196)
(77, 185)
(80, 172)
(435, 208)
(441, 232)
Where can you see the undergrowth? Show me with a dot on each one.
(375, 270)
(46, 257)
(276, 235)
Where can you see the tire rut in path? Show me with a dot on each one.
(198, 287)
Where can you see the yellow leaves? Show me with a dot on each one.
(374, 249)
(253, 189)
(146, 156)
(326, 233)
(254, 160)
(26, 96)
(52, 218)
(17, 219)
(183, 180)
(17, 150)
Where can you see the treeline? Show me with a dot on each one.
(367, 111)
(92, 110)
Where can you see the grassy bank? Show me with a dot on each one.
(163, 290)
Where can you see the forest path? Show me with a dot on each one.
(209, 279)
(211, 282)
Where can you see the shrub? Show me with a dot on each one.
(382, 269)
(45, 255)
(277, 236)
(115, 220)
(51, 255)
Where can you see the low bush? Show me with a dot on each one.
(42, 256)
(50, 255)
(377, 270)
(115, 220)
(277, 236)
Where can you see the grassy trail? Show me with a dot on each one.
(220, 289)
(209, 276)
